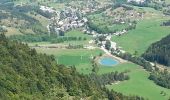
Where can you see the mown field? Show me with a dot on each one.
(147, 32)
(80, 58)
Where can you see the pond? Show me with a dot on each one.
(108, 61)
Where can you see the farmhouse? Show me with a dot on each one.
(49, 9)
(137, 1)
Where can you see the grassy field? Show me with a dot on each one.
(12, 31)
(43, 20)
(102, 21)
(147, 32)
(78, 33)
(81, 58)
(139, 84)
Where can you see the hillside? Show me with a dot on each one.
(159, 52)
(17, 19)
(27, 75)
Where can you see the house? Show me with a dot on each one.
(137, 1)
(49, 9)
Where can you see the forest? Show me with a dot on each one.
(159, 52)
(161, 78)
(138, 60)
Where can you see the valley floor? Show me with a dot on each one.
(138, 84)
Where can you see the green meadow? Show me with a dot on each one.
(147, 32)
(102, 21)
(80, 58)
(139, 84)
(78, 33)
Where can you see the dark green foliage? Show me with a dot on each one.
(138, 60)
(109, 78)
(108, 45)
(166, 11)
(45, 38)
(159, 52)
(94, 27)
(167, 23)
(70, 46)
(118, 96)
(161, 78)
(95, 68)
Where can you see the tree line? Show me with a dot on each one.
(138, 60)
(159, 52)
(166, 23)
(161, 78)
(109, 78)
(45, 38)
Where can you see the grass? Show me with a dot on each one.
(80, 58)
(147, 32)
(103, 21)
(12, 31)
(139, 84)
(43, 20)
(57, 6)
(78, 33)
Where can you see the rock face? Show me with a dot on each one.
(138, 1)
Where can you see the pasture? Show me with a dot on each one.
(147, 32)
(139, 84)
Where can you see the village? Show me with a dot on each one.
(74, 17)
